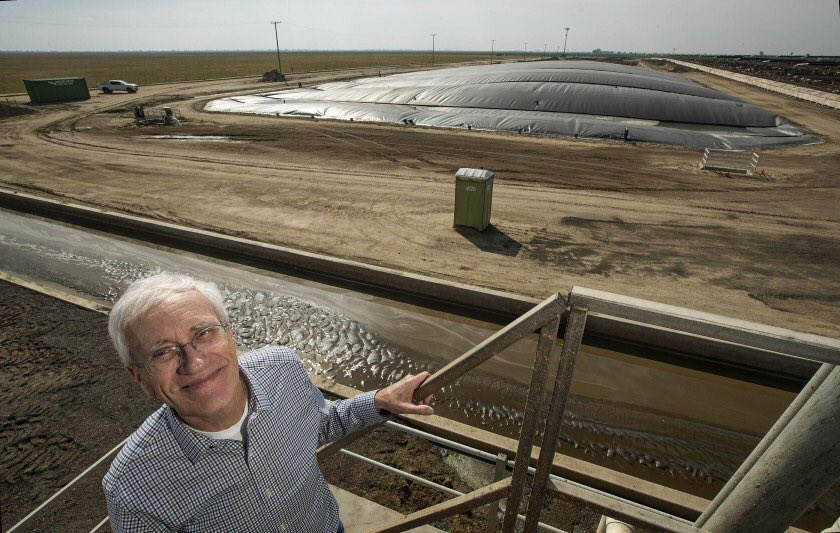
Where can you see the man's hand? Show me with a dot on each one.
(397, 397)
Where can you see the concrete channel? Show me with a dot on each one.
(678, 419)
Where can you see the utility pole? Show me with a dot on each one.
(433, 48)
(492, 44)
(545, 47)
(277, 41)
(525, 51)
(565, 41)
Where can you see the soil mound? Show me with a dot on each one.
(7, 110)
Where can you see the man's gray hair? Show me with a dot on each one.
(146, 293)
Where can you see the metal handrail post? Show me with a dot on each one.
(562, 386)
(502, 339)
(493, 507)
(548, 334)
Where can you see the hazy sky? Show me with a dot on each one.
(705, 26)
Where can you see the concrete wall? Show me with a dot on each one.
(721, 341)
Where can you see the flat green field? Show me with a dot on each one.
(153, 67)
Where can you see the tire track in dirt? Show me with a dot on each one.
(47, 133)
(403, 154)
(51, 137)
(103, 148)
(566, 163)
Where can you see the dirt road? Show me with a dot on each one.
(640, 220)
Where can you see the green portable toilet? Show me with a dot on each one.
(473, 197)
(56, 89)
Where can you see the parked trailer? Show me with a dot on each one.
(56, 89)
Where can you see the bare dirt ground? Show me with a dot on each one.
(640, 220)
(66, 402)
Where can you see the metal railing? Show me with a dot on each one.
(499, 461)
(803, 444)
(728, 511)
(546, 318)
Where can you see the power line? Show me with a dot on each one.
(51, 22)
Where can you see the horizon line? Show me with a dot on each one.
(409, 50)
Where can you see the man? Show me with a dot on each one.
(234, 446)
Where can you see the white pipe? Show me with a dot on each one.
(611, 525)
(833, 528)
(65, 487)
(99, 525)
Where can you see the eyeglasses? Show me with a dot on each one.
(169, 357)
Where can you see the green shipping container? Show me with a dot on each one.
(56, 89)
(473, 197)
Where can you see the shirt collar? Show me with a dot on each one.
(195, 445)
(191, 443)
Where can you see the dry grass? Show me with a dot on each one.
(145, 68)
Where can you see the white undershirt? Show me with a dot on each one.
(234, 432)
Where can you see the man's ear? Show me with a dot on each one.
(138, 376)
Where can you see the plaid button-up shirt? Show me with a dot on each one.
(168, 477)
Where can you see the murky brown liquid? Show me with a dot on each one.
(677, 426)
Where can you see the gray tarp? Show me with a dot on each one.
(575, 98)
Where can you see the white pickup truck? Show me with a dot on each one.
(117, 85)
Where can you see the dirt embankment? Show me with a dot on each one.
(7, 110)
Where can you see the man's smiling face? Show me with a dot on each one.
(204, 388)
